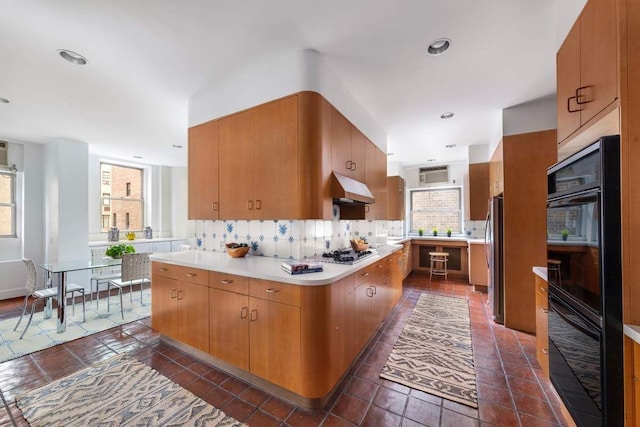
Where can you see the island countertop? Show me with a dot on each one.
(266, 267)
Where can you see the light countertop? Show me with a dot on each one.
(440, 238)
(129, 242)
(633, 332)
(266, 267)
(541, 272)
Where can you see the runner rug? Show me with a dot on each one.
(434, 353)
(120, 391)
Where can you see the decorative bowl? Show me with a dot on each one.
(356, 246)
(236, 251)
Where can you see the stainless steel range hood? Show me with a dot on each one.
(348, 191)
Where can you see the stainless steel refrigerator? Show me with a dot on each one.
(494, 247)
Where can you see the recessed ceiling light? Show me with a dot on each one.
(438, 46)
(446, 115)
(390, 154)
(450, 145)
(74, 58)
(4, 101)
(176, 146)
(137, 157)
(431, 160)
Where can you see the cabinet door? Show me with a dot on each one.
(341, 350)
(478, 191)
(164, 314)
(542, 324)
(340, 143)
(598, 57)
(276, 167)
(371, 178)
(636, 381)
(362, 332)
(381, 295)
(274, 336)
(568, 81)
(358, 156)
(193, 315)
(380, 191)
(236, 166)
(395, 198)
(203, 171)
(229, 327)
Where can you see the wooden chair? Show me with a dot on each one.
(136, 269)
(438, 265)
(44, 293)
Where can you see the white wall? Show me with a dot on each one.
(281, 76)
(179, 202)
(539, 114)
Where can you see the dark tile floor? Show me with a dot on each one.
(512, 390)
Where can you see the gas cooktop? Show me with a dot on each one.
(346, 256)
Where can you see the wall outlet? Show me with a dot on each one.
(221, 244)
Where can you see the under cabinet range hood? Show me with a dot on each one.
(348, 191)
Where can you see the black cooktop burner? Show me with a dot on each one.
(345, 256)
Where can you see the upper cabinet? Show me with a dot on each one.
(395, 198)
(587, 67)
(478, 190)
(258, 179)
(203, 171)
(348, 147)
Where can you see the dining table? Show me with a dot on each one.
(59, 271)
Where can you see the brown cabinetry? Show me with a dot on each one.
(587, 67)
(478, 190)
(457, 264)
(180, 303)
(395, 198)
(347, 147)
(407, 259)
(542, 324)
(203, 171)
(478, 269)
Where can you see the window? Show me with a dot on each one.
(7, 204)
(122, 198)
(439, 208)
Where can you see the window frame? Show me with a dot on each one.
(12, 203)
(109, 199)
(460, 210)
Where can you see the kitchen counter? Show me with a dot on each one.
(268, 268)
(129, 242)
(540, 272)
(633, 332)
(400, 240)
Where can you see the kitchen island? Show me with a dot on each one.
(295, 336)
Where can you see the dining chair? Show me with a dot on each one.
(101, 275)
(135, 271)
(44, 293)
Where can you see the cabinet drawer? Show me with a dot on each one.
(192, 275)
(366, 274)
(275, 291)
(160, 269)
(229, 282)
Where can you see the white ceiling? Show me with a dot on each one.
(148, 57)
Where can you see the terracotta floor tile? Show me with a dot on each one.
(395, 386)
(218, 397)
(391, 400)
(460, 408)
(527, 420)
(239, 409)
(377, 417)
(531, 406)
(216, 376)
(498, 415)
(333, 421)
(277, 408)
(304, 418)
(234, 385)
(254, 396)
(260, 419)
(350, 408)
(422, 412)
(200, 386)
(528, 388)
(492, 377)
(369, 373)
(427, 397)
(488, 394)
(454, 419)
(362, 389)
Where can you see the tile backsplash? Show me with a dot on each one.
(291, 239)
(474, 229)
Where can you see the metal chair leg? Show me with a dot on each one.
(121, 305)
(84, 313)
(24, 310)
(33, 307)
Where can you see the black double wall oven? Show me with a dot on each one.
(585, 283)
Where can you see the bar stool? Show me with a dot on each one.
(438, 264)
(553, 270)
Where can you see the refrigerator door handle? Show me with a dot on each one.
(487, 248)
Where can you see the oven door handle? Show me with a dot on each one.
(590, 332)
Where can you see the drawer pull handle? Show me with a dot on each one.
(164, 269)
(349, 162)
(380, 266)
(254, 315)
(250, 205)
(545, 351)
(375, 291)
(544, 310)
(543, 289)
(214, 206)
(174, 293)
(243, 312)
(365, 274)
(180, 295)
(191, 274)
(226, 281)
(370, 292)
(271, 290)
(258, 204)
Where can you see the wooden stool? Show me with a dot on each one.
(553, 267)
(438, 264)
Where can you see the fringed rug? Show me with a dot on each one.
(434, 353)
(120, 391)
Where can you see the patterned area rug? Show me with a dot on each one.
(434, 353)
(120, 391)
(42, 332)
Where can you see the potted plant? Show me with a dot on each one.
(420, 231)
(449, 232)
(564, 233)
(116, 251)
(435, 231)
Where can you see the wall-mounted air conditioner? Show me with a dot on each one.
(434, 175)
(4, 155)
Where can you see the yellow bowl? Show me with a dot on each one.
(237, 252)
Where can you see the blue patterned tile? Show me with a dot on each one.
(282, 229)
(291, 239)
(229, 227)
(254, 246)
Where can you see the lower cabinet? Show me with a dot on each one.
(542, 324)
(229, 327)
(407, 259)
(478, 269)
(373, 299)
